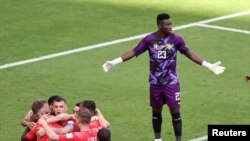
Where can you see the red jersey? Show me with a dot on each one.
(51, 125)
(43, 138)
(87, 135)
(95, 123)
(31, 135)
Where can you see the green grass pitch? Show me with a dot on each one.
(33, 28)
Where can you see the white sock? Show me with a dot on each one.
(158, 139)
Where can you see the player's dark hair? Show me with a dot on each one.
(84, 116)
(52, 98)
(104, 134)
(58, 99)
(37, 105)
(162, 16)
(89, 104)
(78, 104)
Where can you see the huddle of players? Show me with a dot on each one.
(50, 121)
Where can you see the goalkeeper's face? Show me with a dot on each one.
(165, 26)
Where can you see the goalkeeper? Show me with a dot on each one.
(162, 46)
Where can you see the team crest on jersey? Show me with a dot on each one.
(155, 45)
(170, 46)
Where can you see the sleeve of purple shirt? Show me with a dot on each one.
(181, 45)
(141, 47)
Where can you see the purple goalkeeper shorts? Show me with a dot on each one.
(165, 94)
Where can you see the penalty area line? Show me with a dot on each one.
(224, 28)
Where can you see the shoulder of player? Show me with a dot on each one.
(149, 37)
(176, 36)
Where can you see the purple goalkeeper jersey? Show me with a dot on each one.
(162, 55)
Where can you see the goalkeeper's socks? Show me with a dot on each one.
(177, 124)
(178, 138)
(157, 121)
(157, 135)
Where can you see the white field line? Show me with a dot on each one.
(116, 41)
(200, 139)
(71, 51)
(224, 28)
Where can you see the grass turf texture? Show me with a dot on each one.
(34, 28)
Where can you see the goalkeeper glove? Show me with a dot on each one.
(215, 68)
(109, 64)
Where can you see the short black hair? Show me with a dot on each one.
(89, 104)
(104, 134)
(78, 104)
(162, 16)
(52, 98)
(59, 99)
(55, 98)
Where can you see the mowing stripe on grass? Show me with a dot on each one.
(224, 28)
(116, 41)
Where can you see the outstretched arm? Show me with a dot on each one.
(49, 132)
(195, 58)
(126, 56)
(215, 68)
(104, 123)
(66, 129)
(60, 117)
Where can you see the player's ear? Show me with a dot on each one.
(77, 120)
